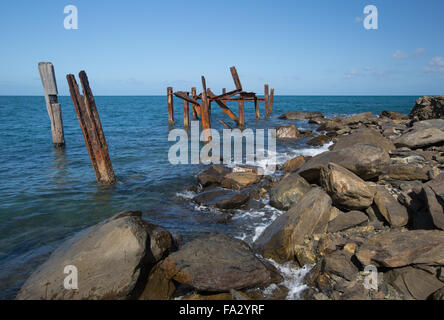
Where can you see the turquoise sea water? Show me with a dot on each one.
(46, 195)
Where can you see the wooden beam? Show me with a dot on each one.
(185, 96)
(206, 121)
(224, 108)
(170, 106)
(225, 124)
(266, 97)
(91, 126)
(226, 95)
(271, 100)
(47, 75)
(236, 80)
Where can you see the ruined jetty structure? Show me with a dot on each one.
(201, 104)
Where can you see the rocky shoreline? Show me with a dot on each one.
(375, 199)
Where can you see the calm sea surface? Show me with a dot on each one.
(46, 195)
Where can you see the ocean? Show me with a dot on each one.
(48, 194)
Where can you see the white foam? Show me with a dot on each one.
(293, 279)
(187, 195)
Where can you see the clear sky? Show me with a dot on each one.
(316, 47)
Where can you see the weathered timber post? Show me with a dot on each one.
(256, 107)
(224, 90)
(170, 106)
(266, 100)
(206, 121)
(186, 113)
(91, 126)
(241, 114)
(193, 95)
(47, 75)
(271, 100)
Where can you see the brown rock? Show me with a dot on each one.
(319, 141)
(289, 132)
(345, 188)
(420, 138)
(218, 263)
(346, 220)
(158, 286)
(417, 283)
(293, 164)
(393, 212)
(301, 115)
(394, 115)
(309, 216)
(434, 194)
(366, 161)
(288, 191)
(407, 172)
(366, 136)
(240, 180)
(339, 263)
(402, 248)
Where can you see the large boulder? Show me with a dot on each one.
(434, 194)
(419, 138)
(346, 189)
(401, 248)
(309, 216)
(366, 136)
(392, 211)
(288, 191)
(289, 132)
(218, 263)
(112, 259)
(428, 108)
(364, 160)
(301, 115)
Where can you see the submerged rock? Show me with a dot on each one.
(221, 198)
(111, 258)
(301, 115)
(218, 263)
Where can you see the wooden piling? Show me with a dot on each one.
(91, 126)
(267, 111)
(271, 100)
(186, 113)
(47, 75)
(193, 106)
(206, 121)
(241, 114)
(170, 106)
(256, 107)
(224, 90)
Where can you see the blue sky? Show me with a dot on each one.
(316, 47)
